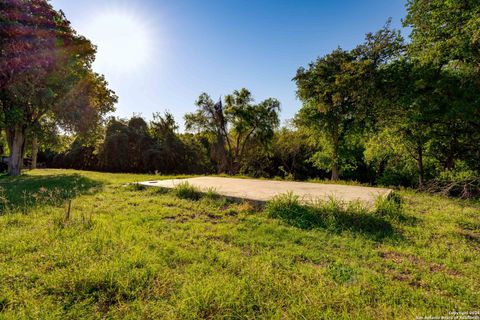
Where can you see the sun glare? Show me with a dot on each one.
(124, 40)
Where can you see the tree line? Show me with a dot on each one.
(390, 111)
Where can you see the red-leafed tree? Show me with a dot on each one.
(45, 72)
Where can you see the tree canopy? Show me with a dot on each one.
(45, 71)
(233, 128)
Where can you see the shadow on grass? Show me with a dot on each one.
(22, 194)
(332, 216)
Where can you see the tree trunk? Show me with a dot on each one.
(219, 153)
(450, 160)
(16, 143)
(421, 174)
(335, 174)
(34, 151)
(336, 145)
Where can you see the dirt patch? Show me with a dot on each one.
(179, 218)
(473, 238)
(418, 262)
(315, 264)
(393, 256)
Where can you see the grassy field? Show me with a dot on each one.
(128, 252)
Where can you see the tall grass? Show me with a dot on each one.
(389, 207)
(185, 190)
(333, 215)
(212, 194)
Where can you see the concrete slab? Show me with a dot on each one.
(265, 190)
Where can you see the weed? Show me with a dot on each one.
(185, 190)
(136, 186)
(332, 214)
(69, 219)
(341, 273)
(211, 193)
(389, 207)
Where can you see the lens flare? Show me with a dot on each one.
(125, 40)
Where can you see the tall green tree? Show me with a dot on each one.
(235, 127)
(45, 70)
(329, 106)
(413, 108)
(339, 92)
(445, 38)
(210, 121)
(443, 31)
(168, 153)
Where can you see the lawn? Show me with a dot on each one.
(128, 252)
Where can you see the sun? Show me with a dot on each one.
(125, 40)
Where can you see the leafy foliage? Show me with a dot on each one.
(386, 112)
(45, 72)
(234, 129)
(138, 146)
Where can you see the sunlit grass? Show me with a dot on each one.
(128, 252)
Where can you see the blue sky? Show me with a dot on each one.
(185, 47)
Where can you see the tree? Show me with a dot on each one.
(253, 125)
(329, 107)
(447, 34)
(339, 92)
(125, 145)
(168, 152)
(233, 128)
(210, 120)
(443, 61)
(135, 146)
(386, 153)
(291, 153)
(444, 31)
(42, 133)
(45, 70)
(429, 108)
(80, 155)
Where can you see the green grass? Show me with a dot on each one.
(186, 191)
(334, 215)
(129, 252)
